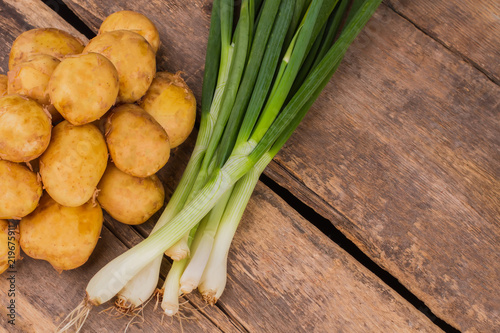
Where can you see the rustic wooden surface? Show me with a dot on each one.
(284, 274)
(408, 169)
(405, 147)
(411, 171)
(470, 28)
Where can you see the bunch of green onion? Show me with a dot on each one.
(260, 80)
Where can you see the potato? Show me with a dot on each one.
(3, 85)
(30, 78)
(84, 87)
(137, 144)
(129, 199)
(9, 246)
(133, 58)
(170, 101)
(51, 41)
(24, 130)
(132, 21)
(63, 236)
(74, 163)
(20, 190)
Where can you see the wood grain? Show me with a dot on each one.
(469, 27)
(403, 157)
(311, 284)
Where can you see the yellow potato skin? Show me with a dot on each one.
(84, 87)
(63, 236)
(137, 144)
(132, 21)
(74, 163)
(170, 101)
(4, 84)
(31, 78)
(20, 192)
(25, 129)
(51, 41)
(128, 199)
(8, 243)
(133, 58)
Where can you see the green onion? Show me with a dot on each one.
(237, 51)
(213, 280)
(197, 178)
(204, 241)
(171, 286)
(291, 68)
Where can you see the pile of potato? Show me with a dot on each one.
(84, 127)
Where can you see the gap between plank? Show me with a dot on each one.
(327, 228)
(69, 16)
(442, 43)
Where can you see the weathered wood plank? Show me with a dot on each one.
(408, 164)
(312, 284)
(470, 27)
(404, 160)
(246, 300)
(19, 16)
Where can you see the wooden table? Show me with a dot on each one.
(400, 154)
